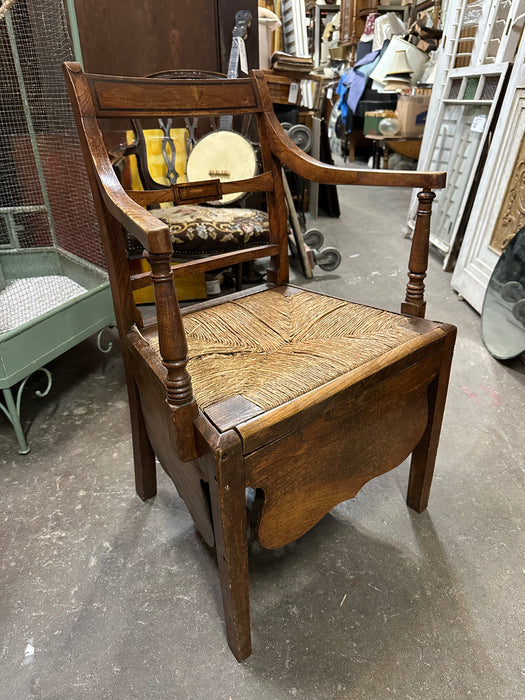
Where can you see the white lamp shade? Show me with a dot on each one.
(415, 57)
(399, 65)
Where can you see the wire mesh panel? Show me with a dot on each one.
(48, 226)
(54, 291)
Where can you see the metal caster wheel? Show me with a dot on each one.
(328, 259)
(301, 136)
(313, 238)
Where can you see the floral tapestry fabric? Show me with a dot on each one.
(200, 230)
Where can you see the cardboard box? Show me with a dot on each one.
(338, 53)
(412, 114)
(372, 119)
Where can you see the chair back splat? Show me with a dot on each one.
(302, 396)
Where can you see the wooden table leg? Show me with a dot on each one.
(386, 153)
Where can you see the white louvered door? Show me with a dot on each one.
(499, 208)
(480, 38)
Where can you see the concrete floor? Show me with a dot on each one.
(103, 596)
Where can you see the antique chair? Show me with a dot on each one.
(301, 396)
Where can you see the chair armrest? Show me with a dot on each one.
(148, 229)
(311, 169)
(152, 233)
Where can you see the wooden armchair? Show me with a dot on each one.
(299, 395)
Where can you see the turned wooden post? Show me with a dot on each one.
(174, 352)
(414, 303)
(278, 270)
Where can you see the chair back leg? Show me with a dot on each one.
(143, 455)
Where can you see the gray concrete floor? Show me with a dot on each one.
(103, 596)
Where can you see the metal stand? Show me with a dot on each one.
(12, 408)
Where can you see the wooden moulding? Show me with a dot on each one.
(512, 212)
(259, 183)
(196, 192)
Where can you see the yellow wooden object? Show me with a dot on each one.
(191, 286)
(188, 287)
(156, 163)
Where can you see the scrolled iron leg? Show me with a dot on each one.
(12, 408)
(99, 341)
(13, 417)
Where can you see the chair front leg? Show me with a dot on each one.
(228, 502)
(424, 455)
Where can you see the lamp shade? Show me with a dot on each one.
(399, 65)
(415, 57)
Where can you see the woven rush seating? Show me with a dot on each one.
(278, 358)
(272, 347)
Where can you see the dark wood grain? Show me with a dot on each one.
(228, 504)
(227, 414)
(417, 265)
(127, 97)
(328, 460)
(158, 420)
(259, 183)
(194, 267)
(309, 451)
(143, 36)
(424, 454)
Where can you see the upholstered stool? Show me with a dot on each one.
(202, 230)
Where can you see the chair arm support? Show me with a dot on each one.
(154, 235)
(311, 169)
(291, 155)
(414, 303)
(148, 229)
